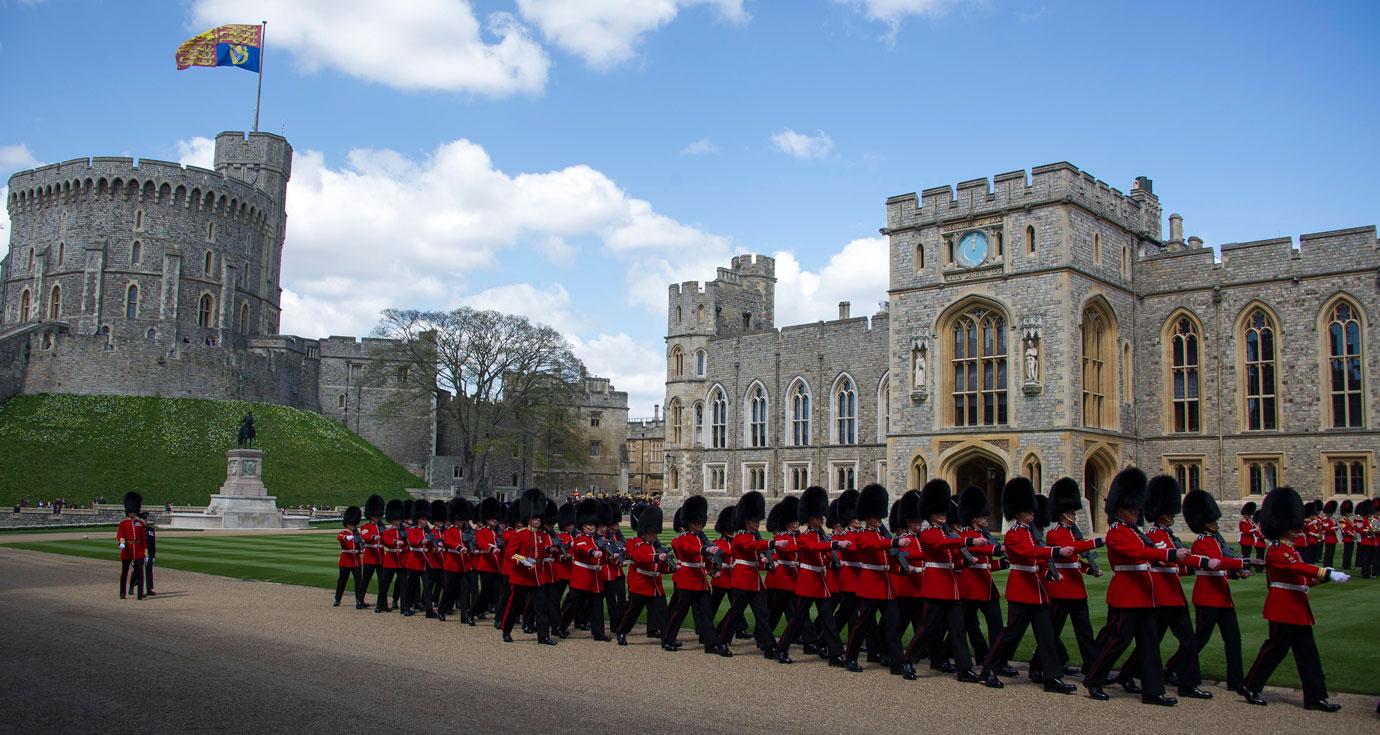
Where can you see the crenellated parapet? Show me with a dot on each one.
(1314, 255)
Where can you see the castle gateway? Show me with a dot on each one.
(1038, 324)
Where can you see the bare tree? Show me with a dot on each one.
(509, 378)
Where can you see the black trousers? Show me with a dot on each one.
(1283, 639)
(1019, 616)
(487, 584)
(386, 577)
(655, 605)
(616, 598)
(518, 597)
(345, 574)
(1365, 558)
(367, 575)
(137, 580)
(410, 583)
(828, 635)
(1224, 618)
(942, 617)
(433, 588)
(696, 603)
(1260, 552)
(587, 605)
(845, 609)
(991, 612)
(1329, 554)
(741, 600)
(716, 599)
(1126, 624)
(459, 593)
(866, 621)
(1175, 620)
(1346, 554)
(1060, 611)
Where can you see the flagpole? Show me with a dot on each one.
(263, 46)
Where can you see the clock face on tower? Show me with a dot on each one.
(972, 249)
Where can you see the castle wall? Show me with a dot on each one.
(361, 387)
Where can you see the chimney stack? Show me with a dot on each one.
(1195, 242)
(843, 309)
(1176, 228)
(656, 411)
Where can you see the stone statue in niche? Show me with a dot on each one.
(1032, 361)
(919, 366)
(918, 372)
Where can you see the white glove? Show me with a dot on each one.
(1338, 577)
(122, 546)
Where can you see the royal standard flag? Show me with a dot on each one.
(232, 45)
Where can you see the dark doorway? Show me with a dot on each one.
(986, 474)
(1096, 476)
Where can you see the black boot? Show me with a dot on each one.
(1058, 686)
(905, 671)
(990, 679)
(622, 640)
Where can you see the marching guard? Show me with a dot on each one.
(372, 534)
(695, 555)
(351, 556)
(1068, 597)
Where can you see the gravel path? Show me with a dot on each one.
(212, 654)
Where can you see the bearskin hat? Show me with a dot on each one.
(1330, 507)
(934, 498)
(650, 520)
(1127, 491)
(909, 509)
(848, 506)
(531, 504)
(610, 514)
(695, 511)
(459, 510)
(872, 502)
(1200, 509)
(440, 512)
(831, 518)
(1281, 511)
(893, 519)
(790, 510)
(1346, 507)
(972, 503)
(565, 515)
(723, 525)
(421, 510)
(678, 520)
(751, 507)
(814, 503)
(1042, 513)
(1018, 496)
(1163, 497)
(133, 502)
(352, 516)
(393, 511)
(489, 509)
(587, 513)
(633, 513)
(1066, 496)
(1365, 508)
(409, 509)
(373, 506)
(551, 513)
(1248, 509)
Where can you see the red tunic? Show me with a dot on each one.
(563, 564)
(1169, 590)
(505, 557)
(394, 547)
(1130, 553)
(1069, 586)
(907, 581)
(415, 558)
(453, 550)
(373, 543)
(782, 574)
(1329, 530)
(848, 562)
(1029, 562)
(975, 582)
(531, 545)
(746, 547)
(941, 583)
(1210, 585)
(812, 550)
(350, 552)
(1246, 527)
(1368, 528)
(586, 564)
(644, 571)
(486, 550)
(1289, 577)
(873, 580)
(690, 574)
(613, 564)
(723, 579)
(134, 534)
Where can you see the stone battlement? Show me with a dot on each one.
(1316, 254)
(148, 179)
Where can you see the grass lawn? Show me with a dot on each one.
(1345, 632)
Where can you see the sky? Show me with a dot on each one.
(568, 159)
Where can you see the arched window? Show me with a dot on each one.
(979, 368)
(1344, 360)
(919, 258)
(677, 362)
(1128, 385)
(210, 232)
(757, 416)
(205, 311)
(883, 408)
(1258, 362)
(673, 477)
(31, 260)
(1125, 261)
(340, 400)
(718, 426)
(800, 414)
(62, 253)
(1033, 471)
(701, 363)
(1184, 366)
(55, 303)
(698, 427)
(1099, 399)
(677, 415)
(1097, 247)
(24, 300)
(678, 315)
(207, 265)
(244, 319)
(138, 219)
(132, 302)
(136, 253)
(1349, 477)
(699, 314)
(1030, 238)
(919, 473)
(845, 412)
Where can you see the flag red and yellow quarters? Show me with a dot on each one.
(237, 45)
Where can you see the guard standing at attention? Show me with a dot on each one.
(131, 538)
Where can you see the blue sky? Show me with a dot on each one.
(568, 158)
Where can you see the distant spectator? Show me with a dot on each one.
(167, 507)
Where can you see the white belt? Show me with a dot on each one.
(1165, 570)
(783, 563)
(692, 564)
(590, 567)
(940, 565)
(744, 563)
(1065, 565)
(873, 567)
(1131, 568)
(416, 548)
(811, 568)
(1291, 587)
(640, 570)
(853, 564)
(1025, 568)
(1209, 572)
(979, 566)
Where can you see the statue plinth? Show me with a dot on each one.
(243, 501)
(244, 474)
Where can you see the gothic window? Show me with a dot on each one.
(701, 363)
(138, 219)
(678, 315)
(677, 362)
(715, 478)
(755, 477)
(1099, 338)
(884, 409)
(136, 253)
(1349, 476)
(757, 420)
(845, 477)
(1262, 475)
(919, 473)
(244, 320)
(845, 412)
(699, 314)
(979, 368)
(698, 427)
(1259, 363)
(1185, 363)
(1033, 471)
(718, 419)
(31, 260)
(1001, 245)
(797, 476)
(210, 232)
(132, 302)
(1189, 473)
(55, 303)
(1030, 238)
(206, 267)
(800, 414)
(1097, 247)
(677, 418)
(205, 311)
(1344, 361)
(24, 300)
(62, 253)
(919, 258)
(673, 477)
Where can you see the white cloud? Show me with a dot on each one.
(415, 45)
(892, 12)
(801, 145)
(17, 158)
(549, 305)
(634, 366)
(4, 218)
(197, 151)
(858, 274)
(605, 33)
(701, 147)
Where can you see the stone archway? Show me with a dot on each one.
(1098, 470)
(985, 472)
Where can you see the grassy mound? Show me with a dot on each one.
(173, 451)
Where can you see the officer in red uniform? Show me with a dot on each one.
(458, 539)
(351, 553)
(1330, 532)
(586, 572)
(1131, 596)
(1286, 604)
(1026, 598)
(876, 600)
(976, 590)
(487, 546)
(695, 554)
(526, 547)
(943, 613)
(132, 539)
(372, 534)
(1068, 598)
(648, 561)
(394, 539)
(747, 590)
(813, 550)
(1163, 501)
